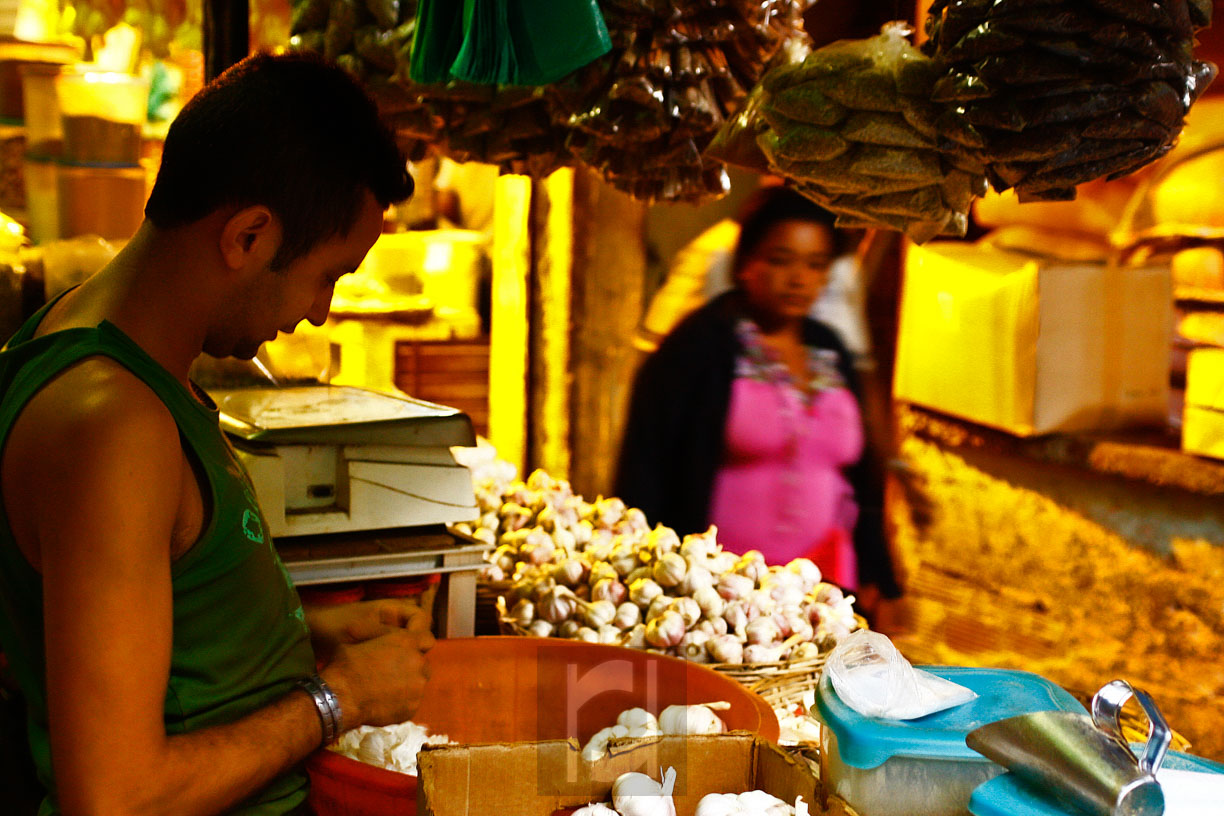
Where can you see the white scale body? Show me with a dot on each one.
(340, 459)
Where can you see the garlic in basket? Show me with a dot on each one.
(639, 721)
(693, 719)
(636, 794)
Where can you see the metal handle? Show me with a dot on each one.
(1107, 707)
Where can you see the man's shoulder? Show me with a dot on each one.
(99, 398)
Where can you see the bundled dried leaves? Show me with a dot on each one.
(640, 116)
(1048, 94)
(853, 128)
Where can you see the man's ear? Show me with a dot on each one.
(250, 235)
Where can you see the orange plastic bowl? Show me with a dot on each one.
(521, 689)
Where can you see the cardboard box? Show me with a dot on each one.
(1032, 346)
(1203, 415)
(540, 778)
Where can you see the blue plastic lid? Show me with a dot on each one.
(866, 742)
(1005, 795)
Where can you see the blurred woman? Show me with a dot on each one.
(747, 415)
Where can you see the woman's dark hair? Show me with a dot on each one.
(769, 206)
(291, 132)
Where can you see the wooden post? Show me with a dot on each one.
(609, 274)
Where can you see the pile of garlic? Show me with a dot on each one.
(393, 747)
(675, 719)
(636, 794)
(596, 571)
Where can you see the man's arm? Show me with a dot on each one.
(93, 478)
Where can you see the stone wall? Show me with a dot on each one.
(1058, 568)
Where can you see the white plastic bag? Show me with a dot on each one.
(871, 676)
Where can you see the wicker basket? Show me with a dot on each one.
(781, 684)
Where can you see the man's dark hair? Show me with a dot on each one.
(291, 132)
(772, 205)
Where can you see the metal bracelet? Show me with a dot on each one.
(326, 705)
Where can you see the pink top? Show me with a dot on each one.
(780, 489)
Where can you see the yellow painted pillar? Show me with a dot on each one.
(508, 340)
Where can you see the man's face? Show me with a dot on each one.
(274, 301)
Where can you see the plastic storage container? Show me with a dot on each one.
(516, 689)
(923, 766)
(102, 115)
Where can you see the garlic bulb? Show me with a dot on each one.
(597, 745)
(635, 638)
(828, 594)
(635, 521)
(733, 587)
(662, 540)
(695, 579)
(503, 557)
(762, 630)
(547, 518)
(582, 532)
(759, 653)
(807, 571)
(643, 591)
(719, 804)
(609, 589)
(587, 635)
(725, 649)
(698, 547)
(538, 549)
(628, 615)
(489, 520)
(709, 601)
(602, 571)
(638, 572)
(523, 612)
(735, 616)
(693, 719)
(596, 809)
(609, 634)
(486, 535)
(638, 719)
(569, 571)
(752, 565)
(693, 647)
(669, 570)
(569, 629)
(564, 540)
(635, 794)
(491, 572)
(514, 516)
(721, 563)
(689, 610)
(540, 628)
(623, 559)
(597, 613)
(657, 607)
(666, 630)
(557, 604)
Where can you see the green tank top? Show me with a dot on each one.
(240, 636)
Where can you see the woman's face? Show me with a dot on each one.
(788, 269)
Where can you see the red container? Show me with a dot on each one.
(521, 689)
(330, 594)
(401, 587)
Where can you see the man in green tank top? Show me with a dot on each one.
(166, 660)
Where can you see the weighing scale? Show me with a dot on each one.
(358, 484)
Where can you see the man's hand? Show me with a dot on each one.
(380, 680)
(346, 624)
